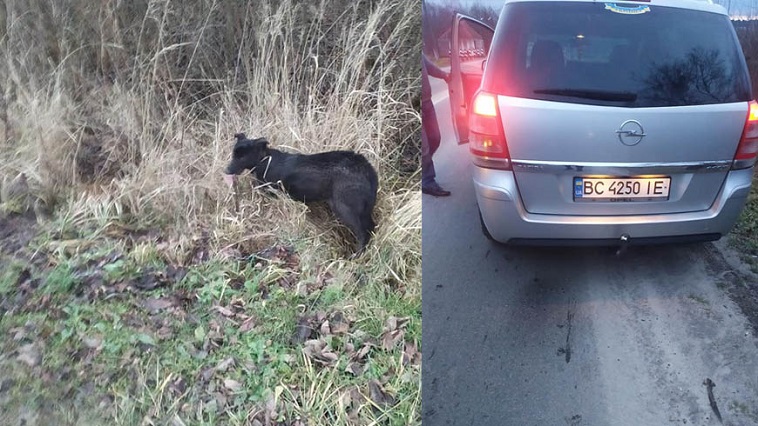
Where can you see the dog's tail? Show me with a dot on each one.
(240, 136)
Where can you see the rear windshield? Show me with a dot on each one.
(605, 54)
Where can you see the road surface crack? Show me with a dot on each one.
(710, 385)
(566, 350)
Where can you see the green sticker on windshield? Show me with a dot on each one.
(625, 10)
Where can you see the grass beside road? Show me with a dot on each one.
(99, 331)
(745, 233)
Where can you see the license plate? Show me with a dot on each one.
(621, 189)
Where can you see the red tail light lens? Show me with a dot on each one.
(485, 105)
(486, 138)
(747, 151)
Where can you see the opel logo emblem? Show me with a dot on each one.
(631, 132)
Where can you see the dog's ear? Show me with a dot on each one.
(262, 142)
(240, 137)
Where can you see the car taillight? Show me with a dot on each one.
(486, 138)
(748, 147)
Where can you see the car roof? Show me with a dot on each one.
(703, 5)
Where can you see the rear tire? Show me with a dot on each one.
(485, 231)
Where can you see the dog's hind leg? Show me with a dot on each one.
(367, 221)
(349, 212)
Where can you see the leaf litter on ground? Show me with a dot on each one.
(393, 332)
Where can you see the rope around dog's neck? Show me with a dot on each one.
(267, 159)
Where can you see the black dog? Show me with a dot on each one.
(344, 179)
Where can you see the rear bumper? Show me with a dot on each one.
(508, 221)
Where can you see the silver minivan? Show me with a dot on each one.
(605, 122)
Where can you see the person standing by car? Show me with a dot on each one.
(430, 131)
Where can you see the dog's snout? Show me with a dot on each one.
(234, 168)
(229, 179)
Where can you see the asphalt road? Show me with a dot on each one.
(574, 336)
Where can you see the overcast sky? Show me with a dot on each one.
(740, 7)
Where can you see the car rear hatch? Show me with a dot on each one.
(554, 144)
(611, 110)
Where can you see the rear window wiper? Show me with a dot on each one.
(600, 95)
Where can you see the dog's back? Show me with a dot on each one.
(318, 177)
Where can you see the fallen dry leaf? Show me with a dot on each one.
(319, 351)
(411, 354)
(225, 311)
(237, 304)
(394, 332)
(221, 400)
(232, 385)
(329, 357)
(378, 396)
(159, 304)
(354, 368)
(30, 355)
(178, 386)
(325, 330)
(340, 328)
(148, 281)
(206, 373)
(225, 364)
(165, 332)
(247, 325)
(354, 397)
(363, 351)
(394, 323)
(391, 338)
(92, 342)
(19, 333)
(339, 325)
(303, 330)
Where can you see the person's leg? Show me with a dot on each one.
(430, 141)
(427, 165)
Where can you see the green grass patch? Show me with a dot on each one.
(214, 346)
(9, 275)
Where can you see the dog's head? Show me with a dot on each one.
(247, 154)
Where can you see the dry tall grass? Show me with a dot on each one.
(124, 111)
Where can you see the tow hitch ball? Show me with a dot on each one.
(623, 244)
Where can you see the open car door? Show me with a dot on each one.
(470, 45)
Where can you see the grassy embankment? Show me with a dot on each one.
(146, 297)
